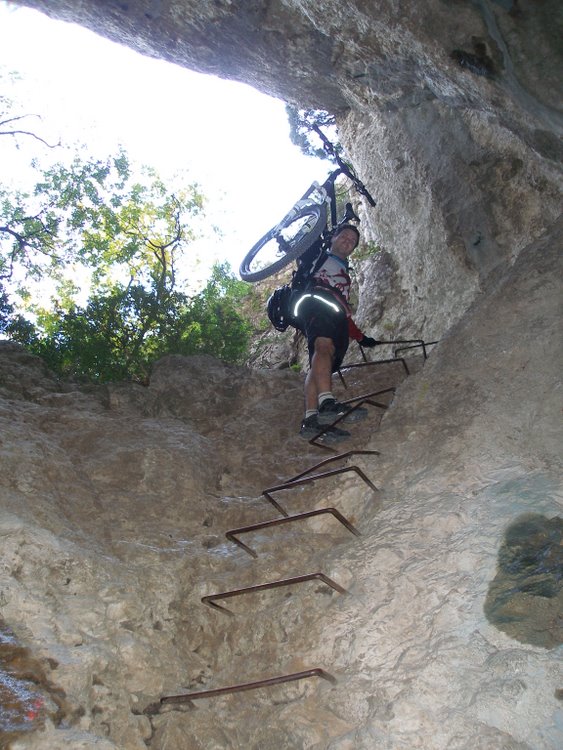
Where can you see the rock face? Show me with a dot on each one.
(114, 501)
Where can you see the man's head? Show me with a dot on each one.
(344, 240)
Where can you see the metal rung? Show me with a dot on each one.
(189, 697)
(421, 343)
(339, 457)
(314, 478)
(365, 363)
(211, 599)
(231, 535)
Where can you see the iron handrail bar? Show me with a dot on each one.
(189, 697)
(399, 341)
(314, 478)
(367, 399)
(232, 533)
(210, 600)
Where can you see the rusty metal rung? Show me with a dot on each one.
(339, 457)
(189, 697)
(232, 534)
(211, 599)
(313, 478)
(371, 363)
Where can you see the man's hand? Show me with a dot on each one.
(368, 342)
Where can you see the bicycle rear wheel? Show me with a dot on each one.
(284, 243)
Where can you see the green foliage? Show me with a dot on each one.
(90, 213)
(89, 223)
(119, 334)
(301, 133)
(6, 310)
(218, 326)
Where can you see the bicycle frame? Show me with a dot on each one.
(325, 193)
(329, 186)
(313, 218)
(328, 189)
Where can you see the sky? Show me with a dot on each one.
(232, 140)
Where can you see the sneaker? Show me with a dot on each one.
(311, 427)
(332, 409)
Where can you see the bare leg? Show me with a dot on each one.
(319, 377)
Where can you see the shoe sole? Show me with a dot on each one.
(325, 436)
(355, 416)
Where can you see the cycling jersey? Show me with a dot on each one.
(334, 277)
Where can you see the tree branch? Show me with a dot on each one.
(15, 133)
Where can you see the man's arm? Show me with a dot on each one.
(355, 333)
(353, 330)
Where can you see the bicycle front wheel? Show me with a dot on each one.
(284, 243)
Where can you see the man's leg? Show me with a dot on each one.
(318, 383)
(319, 377)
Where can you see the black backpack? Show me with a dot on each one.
(279, 303)
(279, 307)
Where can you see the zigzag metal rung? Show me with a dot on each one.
(305, 477)
(365, 363)
(189, 697)
(232, 534)
(313, 478)
(415, 343)
(211, 599)
(418, 345)
(329, 460)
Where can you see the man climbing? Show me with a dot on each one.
(324, 315)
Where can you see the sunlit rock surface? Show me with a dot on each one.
(114, 501)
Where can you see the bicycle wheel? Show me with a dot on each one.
(284, 243)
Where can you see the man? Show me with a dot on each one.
(324, 315)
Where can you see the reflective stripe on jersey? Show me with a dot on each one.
(312, 295)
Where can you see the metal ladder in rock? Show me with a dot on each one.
(310, 475)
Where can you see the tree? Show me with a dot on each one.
(119, 334)
(302, 125)
(11, 126)
(216, 324)
(125, 238)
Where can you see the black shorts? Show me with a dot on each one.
(317, 318)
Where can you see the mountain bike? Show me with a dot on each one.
(313, 217)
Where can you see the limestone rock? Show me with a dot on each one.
(115, 500)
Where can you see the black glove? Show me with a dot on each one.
(368, 341)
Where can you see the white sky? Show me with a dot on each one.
(233, 140)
